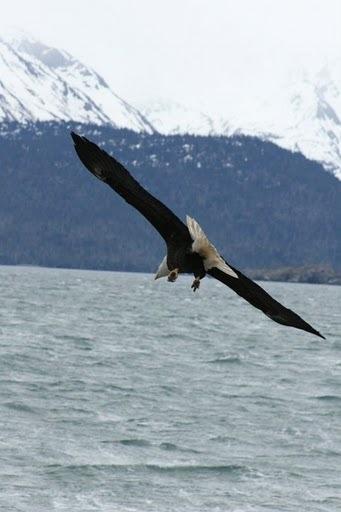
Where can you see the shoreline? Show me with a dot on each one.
(309, 274)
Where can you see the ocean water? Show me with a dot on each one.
(119, 393)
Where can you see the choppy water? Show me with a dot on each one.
(118, 393)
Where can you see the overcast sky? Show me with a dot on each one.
(194, 51)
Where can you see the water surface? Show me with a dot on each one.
(119, 393)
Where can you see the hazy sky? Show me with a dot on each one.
(194, 51)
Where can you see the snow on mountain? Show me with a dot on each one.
(40, 83)
(304, 116)
(170, 117)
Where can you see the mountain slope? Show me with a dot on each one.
(39, 83)
(262, 206)
(304, 116)
(170, 118)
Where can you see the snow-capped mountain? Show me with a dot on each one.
(303, 116)
(40, 83)
(170, 117)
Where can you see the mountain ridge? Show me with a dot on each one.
(262, 206)
(305, 118)
(42, 83)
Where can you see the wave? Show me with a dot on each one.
(328, 398)
(20, 407)
(226, 360)
(133, 442)
(233, 469)
(166, 446)
(173, 447)
(192, 468)
(74, 337)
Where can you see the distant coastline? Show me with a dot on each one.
(317, 274)
(313, 274)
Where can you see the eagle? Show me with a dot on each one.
(189, 251)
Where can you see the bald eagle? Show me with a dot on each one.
(188, 248)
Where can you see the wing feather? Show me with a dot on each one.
(108, 169)
(260, 299)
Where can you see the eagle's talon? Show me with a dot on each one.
(196, 284)
(173, 275)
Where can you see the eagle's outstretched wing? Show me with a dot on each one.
(217, 267)
(260, 299)
(108, 169)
